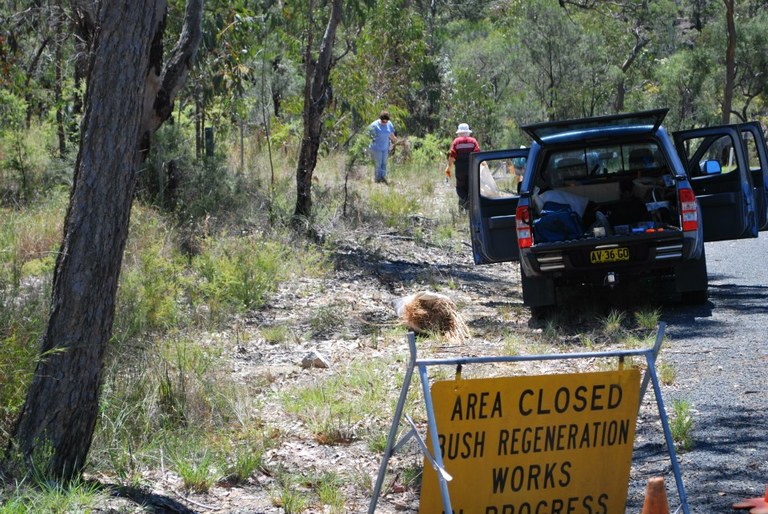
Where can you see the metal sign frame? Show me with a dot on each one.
(434, 457)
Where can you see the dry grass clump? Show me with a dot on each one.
(432, 312)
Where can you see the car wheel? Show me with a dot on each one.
(694, 297)
(538, 292)
(542, 312)
(692, 281)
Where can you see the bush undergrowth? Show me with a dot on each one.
(214, 252)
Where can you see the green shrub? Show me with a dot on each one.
(12, 111)
(430, 152)
(151, 294)
(239, 273)
(27, 153)
(207, 189)
(169, 145)
(394, 208)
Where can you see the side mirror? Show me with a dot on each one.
(710, 167)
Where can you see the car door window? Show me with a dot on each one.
(753, 158)
(720, 177)
(712, 149)
(494, 178)
(499, 178)
(755, 149)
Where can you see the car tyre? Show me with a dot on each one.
(695, 297)
(692, 280)
(542, 312)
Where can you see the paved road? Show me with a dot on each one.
(720, 354)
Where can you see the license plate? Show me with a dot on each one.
(609, 255)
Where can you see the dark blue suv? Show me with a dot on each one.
(615, 198)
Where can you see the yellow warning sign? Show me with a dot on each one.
(551, 444)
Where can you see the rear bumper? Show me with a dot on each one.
(640, 254)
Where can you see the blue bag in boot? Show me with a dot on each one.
(557, 222)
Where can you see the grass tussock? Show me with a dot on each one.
(333, 408)
(78, 496)
(681, 424)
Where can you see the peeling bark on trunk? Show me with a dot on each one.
(129, 94)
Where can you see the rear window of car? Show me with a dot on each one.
(587, 163)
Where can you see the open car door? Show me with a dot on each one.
(716, 163)
(757, 160)
(493, 195)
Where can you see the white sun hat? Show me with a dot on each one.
(463, 129)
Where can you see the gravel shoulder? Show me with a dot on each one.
(720, 354)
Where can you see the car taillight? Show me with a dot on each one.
(523, 224)
(689, 213)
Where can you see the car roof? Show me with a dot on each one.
(644, 122)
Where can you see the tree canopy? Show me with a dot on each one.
(495, 64)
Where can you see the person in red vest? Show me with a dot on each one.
(462, 146)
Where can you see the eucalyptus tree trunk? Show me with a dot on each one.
(317, 94)
(61, 132)
(129, 94)
(640, 41)
(83, 13)
(730, 60)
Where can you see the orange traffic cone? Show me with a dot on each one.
(656, 497)
(756, 505)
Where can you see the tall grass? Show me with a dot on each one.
(394, 208)
(161, 288)
(174, 391)
(158, 380)
(416, 196)
(29, 240)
